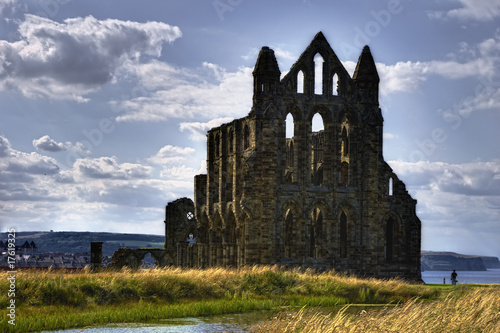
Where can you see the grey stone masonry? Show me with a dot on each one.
(324, 198)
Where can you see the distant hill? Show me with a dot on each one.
(79, 242)
(447, 261)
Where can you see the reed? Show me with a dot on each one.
(66, 299)
(468, 309)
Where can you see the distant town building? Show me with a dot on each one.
(26, 248)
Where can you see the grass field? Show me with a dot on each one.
(468, 309)
(49, 300)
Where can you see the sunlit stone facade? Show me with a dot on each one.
(324, 199)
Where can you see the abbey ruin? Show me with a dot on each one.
(324, 199)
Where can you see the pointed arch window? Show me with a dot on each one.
(343, 235)
(289, 126)
(316, 233)
(289, 227)
(290, 152)
(317, 149)
(318, 74)
(335, 85)
(300, 82)
(289, 161)
(391, 186)
(345, 143)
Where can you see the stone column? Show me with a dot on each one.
(95, 255)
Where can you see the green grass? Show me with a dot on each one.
(58, 300)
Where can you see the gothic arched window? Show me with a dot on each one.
(316, 233)
(345, 143)
(335, 84)
(289, 226)
(318, 74)
(317, 146)
(300, 82)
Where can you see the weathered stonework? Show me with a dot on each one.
(323, 199)
(132, 258)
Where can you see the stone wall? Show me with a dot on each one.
(323, 199)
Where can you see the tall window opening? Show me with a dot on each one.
(389, 238)
(289, 161)
(335, 85)
(317, 149)
(345, 151)
(316, 233)
(317, 123)
(343, 235)
(318, 74)
(391, 186)
(345, 143)
(290, 153)
(290, 126)
(288, 233)
(300, 82)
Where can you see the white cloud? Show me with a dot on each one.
(152, 193)
(180, 172)
(199, 130)
(479, 10)
(36, 194)
(108, 167)
(71, 59)
(172, 155)
(47, 144)
(283, 56)
(479, 178)
(5, 4)
(408, 76)
(182, 93)
(31, 163)
(458, 204)
(183, 172)
(26, 176)
(390, 136)
(5, 148)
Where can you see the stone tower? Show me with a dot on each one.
(323, 199)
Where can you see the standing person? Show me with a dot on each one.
(454, 278)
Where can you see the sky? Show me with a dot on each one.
(104, 105)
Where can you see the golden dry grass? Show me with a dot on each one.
(68, 299)
(469, 309)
